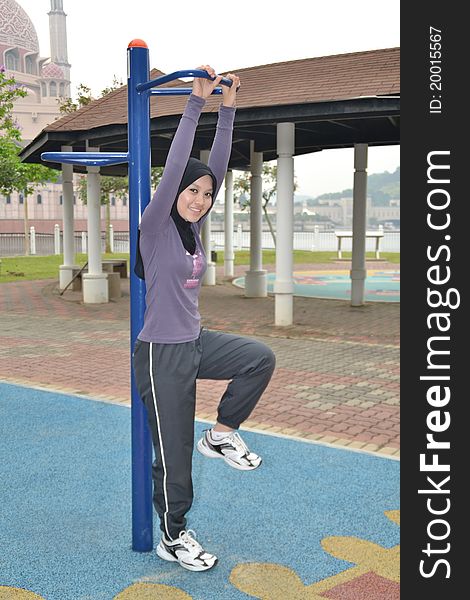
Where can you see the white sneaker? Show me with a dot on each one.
(231, 448)
(186, 551)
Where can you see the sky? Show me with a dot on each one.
(183, 34)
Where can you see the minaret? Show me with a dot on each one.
(58, 36)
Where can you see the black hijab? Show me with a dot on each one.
(193, 171)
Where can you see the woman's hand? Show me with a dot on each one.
(230, 93)
(204, 87)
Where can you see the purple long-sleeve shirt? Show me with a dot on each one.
(172, 275)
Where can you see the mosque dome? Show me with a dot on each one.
(52, 71)
(16, 28)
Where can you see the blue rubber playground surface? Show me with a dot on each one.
(380, 286)
(313, 520)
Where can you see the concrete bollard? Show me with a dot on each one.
(114, 286)
(56, 239)
(111, 238)
(32, 240)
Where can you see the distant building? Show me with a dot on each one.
(339, 211)
(47, 79)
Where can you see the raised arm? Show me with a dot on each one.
(222, 145)
(157, 213)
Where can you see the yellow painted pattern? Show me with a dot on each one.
(152, 591)
(393, 515)
(268, 581)
(9, 593)
(271, 582)
(263, 580)
(370, 557)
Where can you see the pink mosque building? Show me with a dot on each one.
(47, 79)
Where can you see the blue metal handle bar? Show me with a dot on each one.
(177, 75)
(177, 92)
(89, 159)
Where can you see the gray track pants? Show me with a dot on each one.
(166, 380)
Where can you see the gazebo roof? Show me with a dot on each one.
(335, 101)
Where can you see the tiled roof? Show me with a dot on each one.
(310, 80)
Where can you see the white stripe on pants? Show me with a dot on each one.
(166, 379)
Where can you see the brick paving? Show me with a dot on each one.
(337, 374)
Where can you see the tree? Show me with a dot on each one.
(113, 186)
(116, 186)
(16, 176)
(109, 185)
(68, 105)
(114, 86)
(155, 176)
(241, 188)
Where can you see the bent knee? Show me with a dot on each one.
(268, 357)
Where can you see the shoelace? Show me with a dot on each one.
(187, 539)
(238, 443)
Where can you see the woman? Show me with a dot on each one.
(172, 351)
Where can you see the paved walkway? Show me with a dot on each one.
(337, 375)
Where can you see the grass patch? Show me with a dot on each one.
(22, 268)
(242, 257)
(28, 268)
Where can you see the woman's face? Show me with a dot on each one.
(196, 199)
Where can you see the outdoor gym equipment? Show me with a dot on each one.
(139, 90)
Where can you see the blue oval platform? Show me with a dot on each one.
(381, 286)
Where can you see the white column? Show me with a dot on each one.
(284, 283)
(95, 282)
(209, 277)
(255, 279)
(358, 263)
(84, 242)
(66, 269)
(229, 255)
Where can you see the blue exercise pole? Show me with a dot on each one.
(139, 90)
(138, 135)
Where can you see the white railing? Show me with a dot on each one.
(321, 241)
(12, 244)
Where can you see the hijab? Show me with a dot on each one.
(193, 171)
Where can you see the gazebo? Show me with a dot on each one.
(283, 110)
